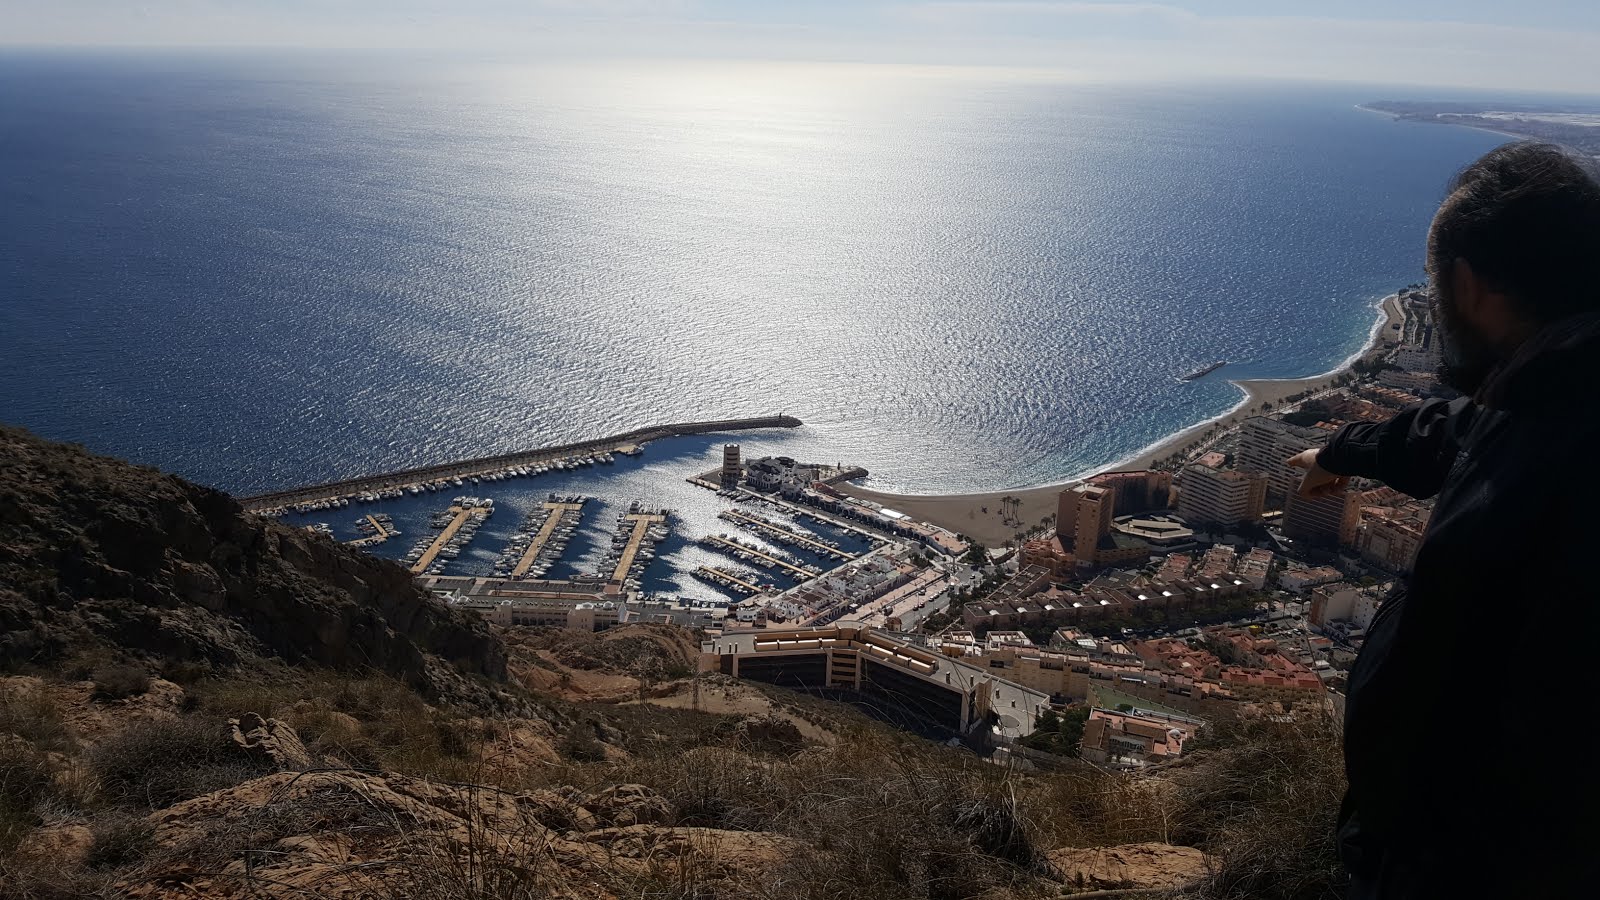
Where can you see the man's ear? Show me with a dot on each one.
(1467, 290)
(1486, 308)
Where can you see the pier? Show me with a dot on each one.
(641, 527)
(727, 579)
(740, 551)
(781, 535)
(558, 514)
(627, 443)
(380, 533)
(460, 516)
(821, 517)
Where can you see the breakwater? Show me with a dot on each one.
(469, 468)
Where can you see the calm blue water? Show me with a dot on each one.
(262, 272)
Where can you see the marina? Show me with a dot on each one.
(785, 535)
(542, 537)
(375, 529)
(743, 583)
(457, 526)
(638, 531)
(811, 514)
(535, 540)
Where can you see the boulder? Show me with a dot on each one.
(698, 854)
(768, 734)
(1148, 865)
(558, 810)
(628, 804)
(271, 740)
(64, 844)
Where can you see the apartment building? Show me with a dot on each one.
(909, 682)
(1264, 445)
(1218, 497)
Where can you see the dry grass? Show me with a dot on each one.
(29, 713)
(37, 878)
(369, 722)
(1264, 799)
(886, 814)
(120, 840)
(880, 815)
(24, 782)
(158, 762)
(120, 682)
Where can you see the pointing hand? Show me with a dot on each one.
(1318, 482)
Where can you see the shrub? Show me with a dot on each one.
(29, 713)
(119, 840)
(41, 876)
(186, 671)
(120, 682)
(372, 697)
(159, 762)
(24, 781)
(427, 744)
(82, 665)
(1264, 799)
(580, 745)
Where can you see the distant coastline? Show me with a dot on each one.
(1396, 117)
(977, 514)
(1572, 125)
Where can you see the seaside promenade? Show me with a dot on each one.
(627, 442)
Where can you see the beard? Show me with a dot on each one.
(1466, 357)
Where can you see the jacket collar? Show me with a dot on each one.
(1558, 361)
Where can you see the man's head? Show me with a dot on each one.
(1514, 247)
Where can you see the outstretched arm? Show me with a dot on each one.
(1412, 452)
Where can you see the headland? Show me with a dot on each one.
(1572, 125)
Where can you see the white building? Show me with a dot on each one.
(779, 473)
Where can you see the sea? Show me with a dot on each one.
(260, 271)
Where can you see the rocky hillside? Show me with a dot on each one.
(96, 553)
(198, 703)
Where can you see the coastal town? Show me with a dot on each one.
(1149, 602)
(1143, 604)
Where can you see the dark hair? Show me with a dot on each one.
(1526, 217)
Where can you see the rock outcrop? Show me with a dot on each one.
(96, 553)
(337, 834)
(269, 741)
(628, 804)
(1148, 865)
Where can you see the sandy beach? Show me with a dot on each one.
(979, 515)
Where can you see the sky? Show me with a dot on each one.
(1533, 45)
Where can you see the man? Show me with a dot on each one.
(1471, 709)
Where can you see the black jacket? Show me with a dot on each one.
(1472, 740)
